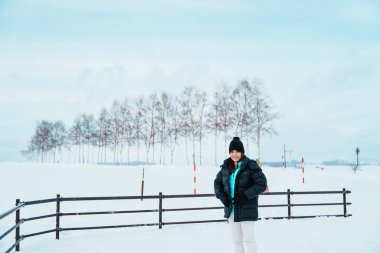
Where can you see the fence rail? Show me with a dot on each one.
(58, 200)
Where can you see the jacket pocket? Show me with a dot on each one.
(227, 212)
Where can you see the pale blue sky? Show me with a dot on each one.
(319, 59)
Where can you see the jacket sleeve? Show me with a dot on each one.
(259, 181)
(218, 185)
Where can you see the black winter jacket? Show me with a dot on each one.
(250, 180)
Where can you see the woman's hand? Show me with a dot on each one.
(226, 201)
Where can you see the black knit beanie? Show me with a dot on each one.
(237, 145)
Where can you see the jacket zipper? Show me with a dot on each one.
(237, 178)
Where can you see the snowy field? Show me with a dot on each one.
(31, 181)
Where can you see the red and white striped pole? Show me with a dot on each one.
(195, 176)
(303, 171)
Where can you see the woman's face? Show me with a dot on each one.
(235, 156)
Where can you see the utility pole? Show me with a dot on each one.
(290, 154)
(357, 158)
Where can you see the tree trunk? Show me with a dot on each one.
(88, 152)
(105, 153)
(163, 159)
(187, 152)
(161, 151)
(138, 151)
(225, 140)
(114, 153)
(75, 153)
(200, 150)
(153, 151)
(247, 149)
(193, 148)
(171, 155)
(236, 130)
(258, 145)
(100, 152)
(128, 154)
(121, 153)
(215, 148)
(83, 151)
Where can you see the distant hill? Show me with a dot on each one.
(292, 163)
(337, 163)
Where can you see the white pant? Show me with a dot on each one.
(243, 235)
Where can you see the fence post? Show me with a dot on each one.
(18, 227)
(289, 206)
(344, 202)
(160, 211)
(57, 216)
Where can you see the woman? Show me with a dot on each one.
(238, 185)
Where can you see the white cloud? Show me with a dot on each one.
(210, 5)
(136, 7)
(111, 76)
(12, 97)
(363, 12)
(350, 131)
(103, 84)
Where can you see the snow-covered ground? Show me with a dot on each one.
(32, 181)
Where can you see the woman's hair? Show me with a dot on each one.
(231, 165)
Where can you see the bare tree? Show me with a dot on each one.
(58, 136)
(264, 114)
(201, 102)
(245, 111)
(88, 129)
(138, 122)
(193, 103)
(127, 127)
(187, 101)
(41, 142)
(67, 146)
(81, 134)
(75, 137)
(150, 124)
(163, 109)
(239, 100)
(103, 134)
(185, 128)
(116, 129)
(242, 99)
(173, 126)
(214, 121)
(223, 100)
(32, 150)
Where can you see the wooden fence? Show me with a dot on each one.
(160, 209)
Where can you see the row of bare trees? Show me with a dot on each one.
(159, 120)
